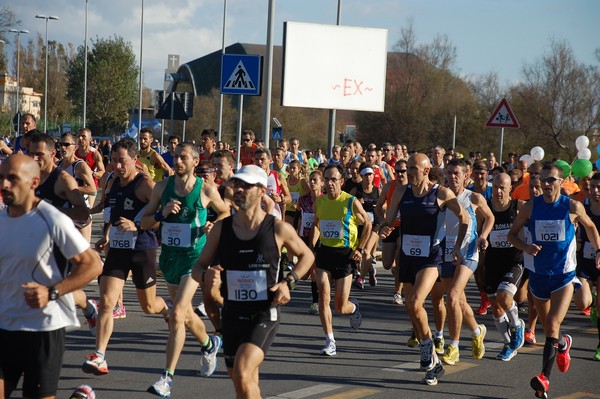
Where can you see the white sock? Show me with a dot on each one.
(502, 327)
(476, 332)
(329, 337)
(513, 315)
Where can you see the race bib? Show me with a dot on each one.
(295, 195)
(122, 239)
(307, 222)
(499, 239)
(176, 235)
(449, 250)
(331, 228)
(371, 216)
(588, 251)
(246, 286)
(416, 245)
(550, 230)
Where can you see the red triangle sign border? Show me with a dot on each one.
(491, 122)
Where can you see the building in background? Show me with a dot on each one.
(29, 99)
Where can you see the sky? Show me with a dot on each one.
(498, 36)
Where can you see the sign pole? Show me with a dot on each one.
(183, 130)
(454, 135)
(172, 128)
(501, 145)
(239, 131)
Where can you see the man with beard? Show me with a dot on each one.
(157, 166)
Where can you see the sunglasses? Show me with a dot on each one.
(65, 144)
(246, 140)
(401, 170)
(550, 179)
(237, 183)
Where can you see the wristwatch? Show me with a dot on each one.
(362, 251)
(52, 294)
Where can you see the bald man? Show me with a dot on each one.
(35, 285)
(421, 204)
(504, 269)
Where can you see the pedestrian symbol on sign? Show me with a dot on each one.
(239, 78)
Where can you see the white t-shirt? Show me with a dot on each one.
(28, 248)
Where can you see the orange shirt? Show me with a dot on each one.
(247, 155)
(571, 186)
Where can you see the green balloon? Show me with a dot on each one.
(581, 168)
(564, 165)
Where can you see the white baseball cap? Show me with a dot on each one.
(251, 174)
(367, 171)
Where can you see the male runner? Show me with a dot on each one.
(157, 166)
(91, 156)
(337, 215)
(248, 280)
(455, 276)
(422, 204)
(131, 248)
(178, 207)
(550, 219)
(504, 269)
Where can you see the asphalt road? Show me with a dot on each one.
(373, 362)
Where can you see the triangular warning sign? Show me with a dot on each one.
(503, 116)
(239, 78)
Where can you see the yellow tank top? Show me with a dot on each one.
(296, 191)
(156, 174)
(337, 222)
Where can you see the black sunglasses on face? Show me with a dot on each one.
(65, 144)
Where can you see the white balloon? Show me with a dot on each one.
(527, 158)
(584, 154)
(582, 142)
(537, 153)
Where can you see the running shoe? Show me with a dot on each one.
(597, 355)
(119, 311)
(540, 385)
(530, 337)
(428, 356)
(95, 364)
(477, 345)
(398, 299)
(162, 387)
(314, 308)
(451, 356)
(93, 319)
(587, 311)
(201, 310)
(517, 335)
(208, 359)
(329, 349)
(483, 308)
(563, 358)
(359, 283)
(373, 278)
(506, 353)
(412, 342)
(439, 343)
(356, 317)
(431, 378)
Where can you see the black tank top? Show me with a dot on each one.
(124, 203)
(251, 267)
(46, 192)
(498, 242)
(369, 201)
(586, 252)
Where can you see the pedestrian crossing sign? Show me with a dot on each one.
(241, 74)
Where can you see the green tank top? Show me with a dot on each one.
(337, 222)
(183, 232)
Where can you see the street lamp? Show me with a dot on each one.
(85, 64)
(141, 81)
(46, 86)
(18, 32)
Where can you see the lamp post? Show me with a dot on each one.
(18, 32)
(141, 81)
(54, 18)
(85, 65)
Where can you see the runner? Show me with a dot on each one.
(248, 246)
(504, 269)
(130, 249)
(550, 220)
(91, 156)
(157, 166)
(421, 205)
(456, 275)
(337, 215)
(178, 208)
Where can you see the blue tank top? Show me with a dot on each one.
(123, 202)
(552, 229)
(468, 248)
(420, 217)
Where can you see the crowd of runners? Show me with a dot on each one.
(247, 234)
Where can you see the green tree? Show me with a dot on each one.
(112, 83)
(7, 20)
